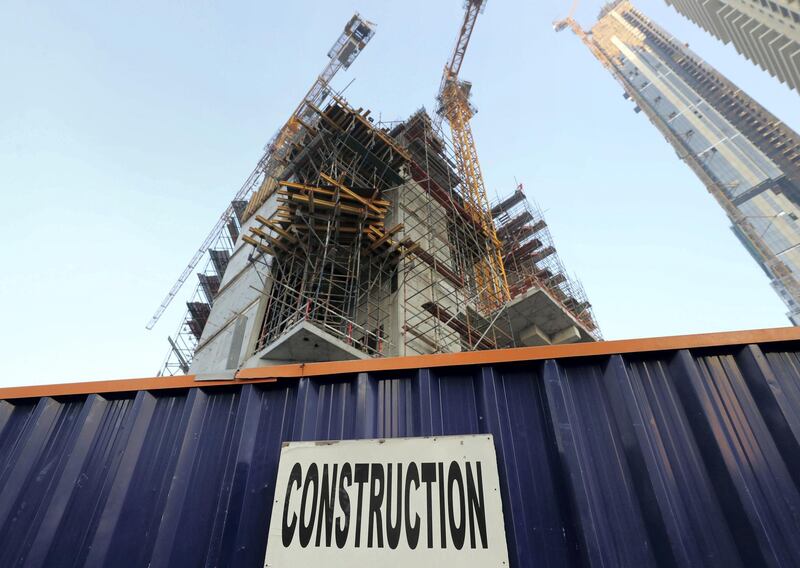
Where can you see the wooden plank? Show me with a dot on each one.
(386, 236)
(331, 205)
(270, 238)
(285, 234)
(351, 193)
(260, 246)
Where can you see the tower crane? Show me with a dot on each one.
(262, 181)
(559, 25)
(456, 109)
(569, 22)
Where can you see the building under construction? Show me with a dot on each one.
(747, 158)
(355, 239)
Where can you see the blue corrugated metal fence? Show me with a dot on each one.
(658, 459)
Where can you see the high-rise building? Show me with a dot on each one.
(365, 248)
(767, 32)
(359, 239)
(747, 158)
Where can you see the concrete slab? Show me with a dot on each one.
(304, 342)
(537, 319)
(533, 337)
(569, 335)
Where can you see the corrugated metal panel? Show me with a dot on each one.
(670, 458)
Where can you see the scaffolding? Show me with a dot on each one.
(531, 258)
(325, 254)
(444, 293)
(261, 181)
(368, 236)
(184, 342)
(377, 239)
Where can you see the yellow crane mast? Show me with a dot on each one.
(456, 109)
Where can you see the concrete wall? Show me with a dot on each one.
(425, 223)
(238, 303)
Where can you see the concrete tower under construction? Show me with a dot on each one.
(745, 156)
(355, 238)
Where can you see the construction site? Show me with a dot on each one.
(356, 238)
(380, 365)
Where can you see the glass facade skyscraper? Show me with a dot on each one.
(767, 32)
(745, 156)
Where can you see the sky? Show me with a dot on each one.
(126, 128)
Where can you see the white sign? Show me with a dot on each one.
(410, 502)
